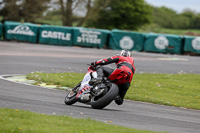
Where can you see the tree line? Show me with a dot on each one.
(109, 14)
(168, 18)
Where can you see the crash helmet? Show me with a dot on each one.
(125, 53)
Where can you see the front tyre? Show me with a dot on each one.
(101, 102)
(71, 96)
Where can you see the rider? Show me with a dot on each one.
(122, 75)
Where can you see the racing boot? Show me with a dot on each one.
(99, 78)
(95, 80)
(118, 100)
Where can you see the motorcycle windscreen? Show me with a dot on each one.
(85, 81)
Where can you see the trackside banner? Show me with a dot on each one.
(163, 43)
(192, 44)
(25, 32)
(126, 40)
(55, 35)
(90, 37)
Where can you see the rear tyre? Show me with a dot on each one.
(103, 101)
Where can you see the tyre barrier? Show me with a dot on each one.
(99, 38)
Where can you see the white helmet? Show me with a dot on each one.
(125, 53)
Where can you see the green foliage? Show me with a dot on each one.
(10, 11)
(168, 18)
(193, 19)
(109, 14)
(51, 18)
(181, 90)
(160, 15)
(32, 9)
(126, 14)
(69, 9)
(23, 10)
(19, 121)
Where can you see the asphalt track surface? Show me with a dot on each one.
(24, 58)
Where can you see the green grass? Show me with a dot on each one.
(180, 90)
(61, 79)
(157, 29)
(18, 121)
(175, 31)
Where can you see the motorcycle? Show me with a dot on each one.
(98, 95)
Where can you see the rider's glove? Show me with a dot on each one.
(93, 63)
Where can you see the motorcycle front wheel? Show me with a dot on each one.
(71, 96)
(102, 101)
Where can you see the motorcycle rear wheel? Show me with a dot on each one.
(101, 102)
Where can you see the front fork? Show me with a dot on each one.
(76, 88)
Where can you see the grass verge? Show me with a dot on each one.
(180, 90)
(18, 121)
(157, 29)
